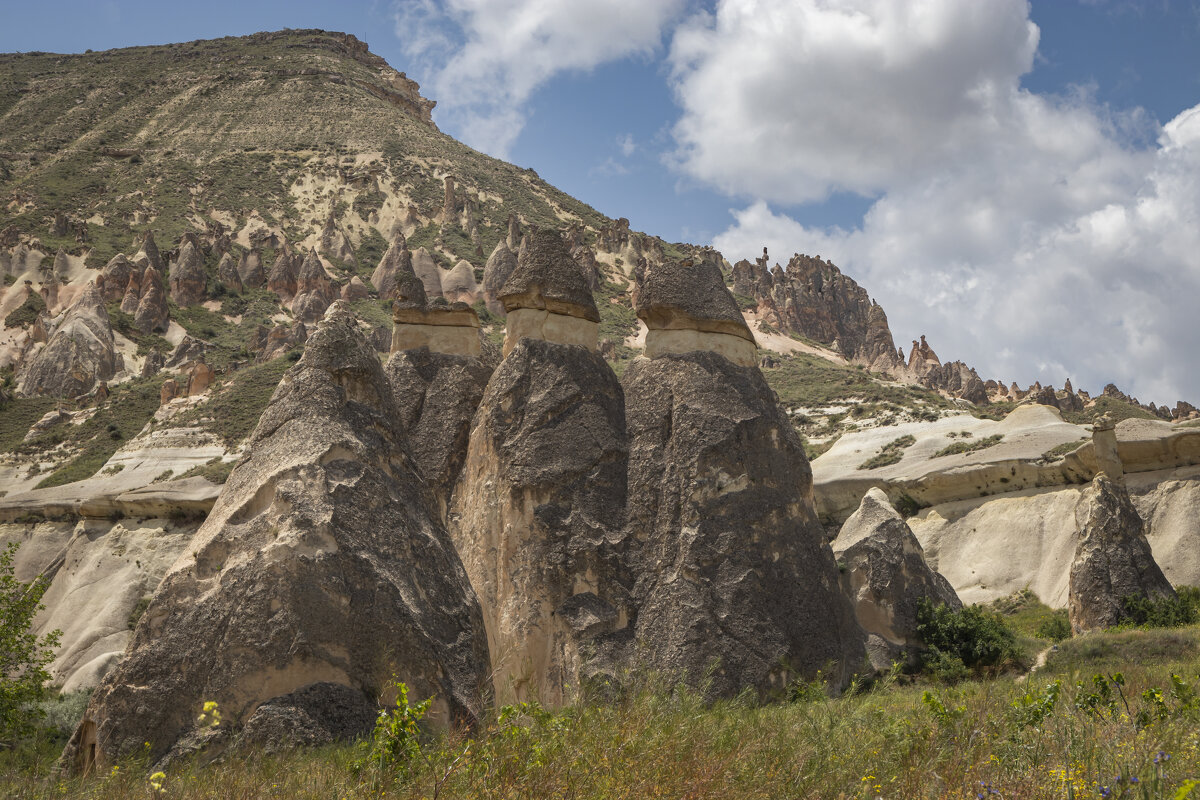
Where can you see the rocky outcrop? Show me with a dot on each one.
(149, 249)
(153, 314)
(114, 278)
(278, 340)
(188, 278)
(458, 284)
(228, 275)
(732, 566)
(546, 296)
(427, 271)
(314, 290)
(335, 243)
(395, 265)
(133, 294)
(282, 278)
(686, 307)
(540, 499)
(453, 330)
(354, 290)
(885, 575)
(437, 395)
(250, 269)
(81, 352)
(500, 265)
(321, 563)
(1113, 559)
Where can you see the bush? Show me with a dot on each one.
(1055, 628)
(1163, 612)
(977, 638)
(23, 656)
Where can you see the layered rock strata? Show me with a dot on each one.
(322, 563)
(547, 298)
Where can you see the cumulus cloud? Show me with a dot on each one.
(1034, 237)
(483, 59)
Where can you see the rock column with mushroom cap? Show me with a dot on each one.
(546, 297)
(733, 571)
(538, 509)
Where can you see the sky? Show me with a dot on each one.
(1018, 181)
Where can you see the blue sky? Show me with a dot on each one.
(1020, 182)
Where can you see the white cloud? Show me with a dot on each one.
(483, 59)
(1034, 237)
(626, 144)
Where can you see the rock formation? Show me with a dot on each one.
(427, 270)
(227, 274)
(314, 290)
(335, 243)
(687, 307)
(188, 277)
(81, 352)
(500, 265)
(133, 294)
(546, 296)
(1113, 559)
(114, 278)
(884, 573)
(354, 290)
(149, 248)
(153, 313)
(282, 278)
(458, 284)
(321, 565)
(397, 260)
(733, 571)
(250, 269)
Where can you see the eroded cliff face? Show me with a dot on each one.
(537, 513)
(323, 563)
(733, 569)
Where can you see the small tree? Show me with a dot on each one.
(23, 656)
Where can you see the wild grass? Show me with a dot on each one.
(992, 738)
(17, 417)
(1057, 453)
(891, 453)
(1114, 407)
(959, 448)
(214, 471)
(809, 381)
(233, 411)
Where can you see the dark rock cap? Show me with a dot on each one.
(547, 277)
(689, 295)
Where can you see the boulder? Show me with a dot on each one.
(687, 307)
(318, 714)
(733, 569)
(500, 265)
(153, 313)
(227, 274)
(885, 575)
(188, 278)
(546, 296)
(1113, 559)
(539, 500)
(81, 352)
(437, 395)
(322, 562)
(458, 284)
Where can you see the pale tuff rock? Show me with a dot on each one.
(437, 394)
(453, 330)
(355, 290)
(732, 566)
(149, 249)
(1105, 449)
(458, 284)
(250, 269)
(335, 243)
(282, 278)
(314, 290)
(188, 278)
(227, 274)
(687, 307)
(200, 377)
(278, 340)
(539, 501)
(395, 268)
(427, 270)
(62, 266)
(133, 294)
(114, 278)
(80, 353)
(884, 572)
(322, 562)
(1113, 559)
(153, 313)
(500, 265)
(546, 296)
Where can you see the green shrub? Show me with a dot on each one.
(891, 453)
(1163, 612)
(27, 313)
(1055, 628)
(978, 638)
(968, 447)
(23, 655)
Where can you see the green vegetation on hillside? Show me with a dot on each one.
(890, 453)
(1114, 407)
(958, 448)
(27, 313)
(809, 381)
(232, 411)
